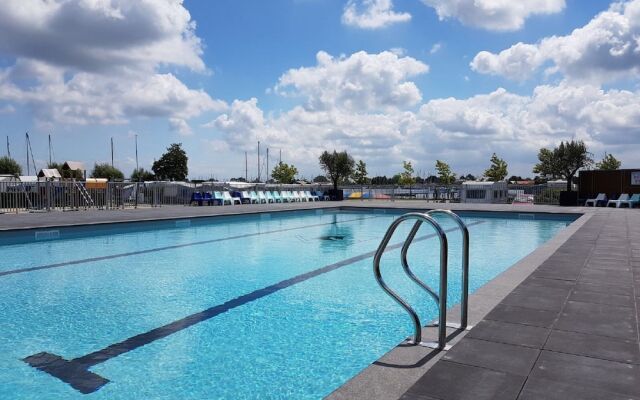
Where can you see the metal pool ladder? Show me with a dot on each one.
(441, 297)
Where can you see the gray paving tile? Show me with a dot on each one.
(602, 298)
(546, 389)
(538, 297)
(552, 272)
(520, 315)
(504, 332)
(602, 347)
(589, 373)
(546, 282)
(625, 289)
(598, 319)
(452, 381)
(507, 358)
(605, 276)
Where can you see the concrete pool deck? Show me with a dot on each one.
(561, 323)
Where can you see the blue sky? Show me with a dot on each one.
(386, 80)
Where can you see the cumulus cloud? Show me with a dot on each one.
(495, 15)
(99, 62)
(372, 14)
(605, 49)
(361, 81)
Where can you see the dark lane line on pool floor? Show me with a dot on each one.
(176, 246)
(76, 372)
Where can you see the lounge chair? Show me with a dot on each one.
(632, 202)
(245, 198)
(262, 198)
(311, 196)
(208, 197)
(196, 197)
(616, 203)
(296, 196)
(254, 197)
(232, 200)
(276, 197)
(303, 195)
(286, 196)
(322, 196)
(219, 198)
(600, 198)
(270, 198)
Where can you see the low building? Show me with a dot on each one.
(50, 174)
(484, 192)
(69, 166)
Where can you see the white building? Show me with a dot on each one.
(484, 192)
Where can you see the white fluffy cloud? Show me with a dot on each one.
(372, 14)
(605, 49)
(361, 81)
(495, 15)
(98, 61)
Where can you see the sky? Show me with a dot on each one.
(385, 80)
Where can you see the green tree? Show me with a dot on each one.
(563, 161)
(284, 173)
(498, 169)
(105, 170)
(406, 177)
(360, 174)
(444, 173)
(9, 166)
(172, 165)
(337, 166)
(609, 163)
(142, 175)
(320, 179)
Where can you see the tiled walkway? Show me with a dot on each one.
(569, 331)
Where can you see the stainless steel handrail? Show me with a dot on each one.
(442, 296)
(464, 303)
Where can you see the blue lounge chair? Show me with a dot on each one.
(616, 203)
(208, 197)
(601, 198)
(196, 197)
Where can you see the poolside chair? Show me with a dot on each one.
(616, 203)
(262, 198)
(296, 196)
(219, 198)
(303, 195)
(196, 197)
(600, 198)
(276, 197)
(322, 196)
(245, 198)
(270, 198)
(254, 197)
(208, 197)
(632, 202)
(311, 196)
(232, 200)
(286, 196)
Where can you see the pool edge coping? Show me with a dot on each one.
(381, 380)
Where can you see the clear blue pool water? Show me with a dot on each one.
(78, 295)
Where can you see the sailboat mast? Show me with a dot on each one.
(49, 150)
(258, 161)
(26, 144)
(246, 167)
(8, 149)
(267, 180)
(111, 151)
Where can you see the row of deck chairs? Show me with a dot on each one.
(623, 200)
(256, 197)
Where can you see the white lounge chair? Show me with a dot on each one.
(277, 197)
(311, 197)
(287, 197)
(270, 198)
(262, 198)
(232, 200)
(297, 196)
(601, 197)
(623, 197)
(632, 202)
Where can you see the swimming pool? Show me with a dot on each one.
(279, 305)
